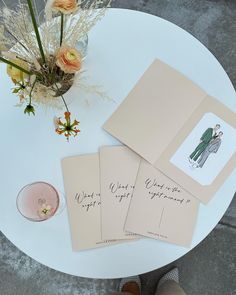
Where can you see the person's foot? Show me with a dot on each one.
(195, 165)
(190, 160)
(131, 285)
(171, 275)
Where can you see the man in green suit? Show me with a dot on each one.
(207, 136)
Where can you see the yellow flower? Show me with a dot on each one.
(68, 59)
(16, 74)
(45, 211)
(65, 6)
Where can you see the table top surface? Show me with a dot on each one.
(121, 47)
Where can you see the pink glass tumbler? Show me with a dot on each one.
(38, 201)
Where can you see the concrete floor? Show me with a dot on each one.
(210, 269)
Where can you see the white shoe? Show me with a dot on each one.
(172, 275)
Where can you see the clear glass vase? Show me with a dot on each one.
(82, 46)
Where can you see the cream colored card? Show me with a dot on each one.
(82, 188)
(162, 110)
(203, 154)
(160, 209)
(118, 171)
(154, 111)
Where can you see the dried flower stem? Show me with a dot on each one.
(10, 33)
(62, 28)
(63, 99)
(14, 65)
(36, 30)
(31, 90)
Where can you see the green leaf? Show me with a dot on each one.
(29, 110)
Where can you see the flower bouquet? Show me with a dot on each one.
(42, 58)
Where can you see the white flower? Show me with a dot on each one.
(23, 93)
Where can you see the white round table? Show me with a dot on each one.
(121, 47)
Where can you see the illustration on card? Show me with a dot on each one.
(209, 143)
(206, 150)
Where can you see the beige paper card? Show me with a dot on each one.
(82, 188)
(160, 209)
(154, 111)
(170, 115)
(118, 171)
(203, 154)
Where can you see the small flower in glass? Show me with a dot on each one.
(45, 211)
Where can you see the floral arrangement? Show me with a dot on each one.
(42, 58)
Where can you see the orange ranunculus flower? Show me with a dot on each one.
(68, 59)
(64, 6)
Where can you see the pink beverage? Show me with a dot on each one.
(38, 201)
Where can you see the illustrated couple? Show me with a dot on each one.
(209, 143)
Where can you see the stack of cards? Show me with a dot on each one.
(180, 148)
(99, 191)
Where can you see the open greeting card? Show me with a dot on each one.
(179, 129)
